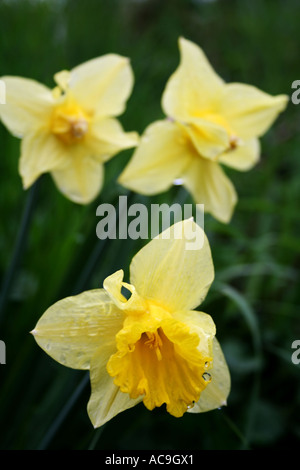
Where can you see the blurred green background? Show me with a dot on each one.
(255, 297)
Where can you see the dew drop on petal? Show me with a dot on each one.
(206, 376)
(191, 405)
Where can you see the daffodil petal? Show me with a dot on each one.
(102, 85)
(82, 178)
(28, 105)
(209, 139)
(107, 138)
(62, 79)
(250, 111)
(158, 160)
(106, 398)
(209, 185)
(193, 87)
(72, 329)
(200, 323)
(244, 156)
(216, 393)
(40, 152)
(169, 273)
(113, 285)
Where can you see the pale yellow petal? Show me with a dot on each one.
(158, 160)
(73, 329)
(244, 156)
(107, 138)
(103, 85)
(106, 398)
(114, 285)
(202, 324)
(216, 393)
(62, 79)
(28, 105)
(250, 111)
(82, 178)
(193, 87)
(40, 152)
(209, 185)
(172, 270)
(209, 138)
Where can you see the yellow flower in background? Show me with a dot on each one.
(149, 345)
(71, 131)
(209, 122)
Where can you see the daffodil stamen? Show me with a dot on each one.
(234, 142)
(154, 342)
(70, 123)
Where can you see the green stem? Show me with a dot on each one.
(87, 272)
(64, 413)
(96, 437)
(19, 247)
(236, 430)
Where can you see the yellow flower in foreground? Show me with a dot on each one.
(208, 122)
(152, 347)
(71, 131)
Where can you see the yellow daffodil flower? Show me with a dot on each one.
(71, 131)
(151, 347)
(208, 123)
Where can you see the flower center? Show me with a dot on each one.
(153, 342)
(69, 123)
(163, 366)
(234, 140)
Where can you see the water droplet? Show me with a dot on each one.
(206, 376)
(191, 405)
